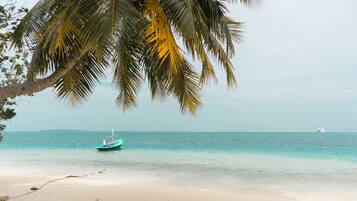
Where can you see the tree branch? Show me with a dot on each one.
(30, 87)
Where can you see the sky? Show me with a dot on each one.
(296, 69)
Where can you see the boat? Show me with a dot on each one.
(321, 130)
(110, 143)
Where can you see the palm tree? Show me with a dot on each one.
(74, 42)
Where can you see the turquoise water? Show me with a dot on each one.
(260, 157)
(333, 145)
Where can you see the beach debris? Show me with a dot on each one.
(72, 176)
(34, 188)
(4, 198)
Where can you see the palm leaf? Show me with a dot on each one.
(185, 86)
(160, 35)
(127, 74)
(188, 19)
(79, 82)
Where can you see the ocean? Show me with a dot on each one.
(248, 157)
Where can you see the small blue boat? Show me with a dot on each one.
(109, 145)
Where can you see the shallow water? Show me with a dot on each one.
(216, 157)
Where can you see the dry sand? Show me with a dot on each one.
(80, 189)
(111, 187)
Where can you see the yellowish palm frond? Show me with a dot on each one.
(160, 35)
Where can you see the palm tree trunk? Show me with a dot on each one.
(38, 85)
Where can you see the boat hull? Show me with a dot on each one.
(110, 147)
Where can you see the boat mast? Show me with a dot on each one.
(112, 135)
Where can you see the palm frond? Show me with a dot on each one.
(185, 86)
(59, 35)
(217, 50)
(79, 82)
(33, 21)
(247, 2)
(160, 35)
(188, 19)
(128, 73)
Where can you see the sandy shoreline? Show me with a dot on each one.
(98, 188)
(129, 186)
(147, 176)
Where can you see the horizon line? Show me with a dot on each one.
(184, 131)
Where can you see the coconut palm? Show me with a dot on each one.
(74, 42)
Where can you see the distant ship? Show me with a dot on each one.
(321, 130)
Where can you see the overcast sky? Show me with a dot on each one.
(296, 69)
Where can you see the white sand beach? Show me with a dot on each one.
(129, 186)
(72, 190)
